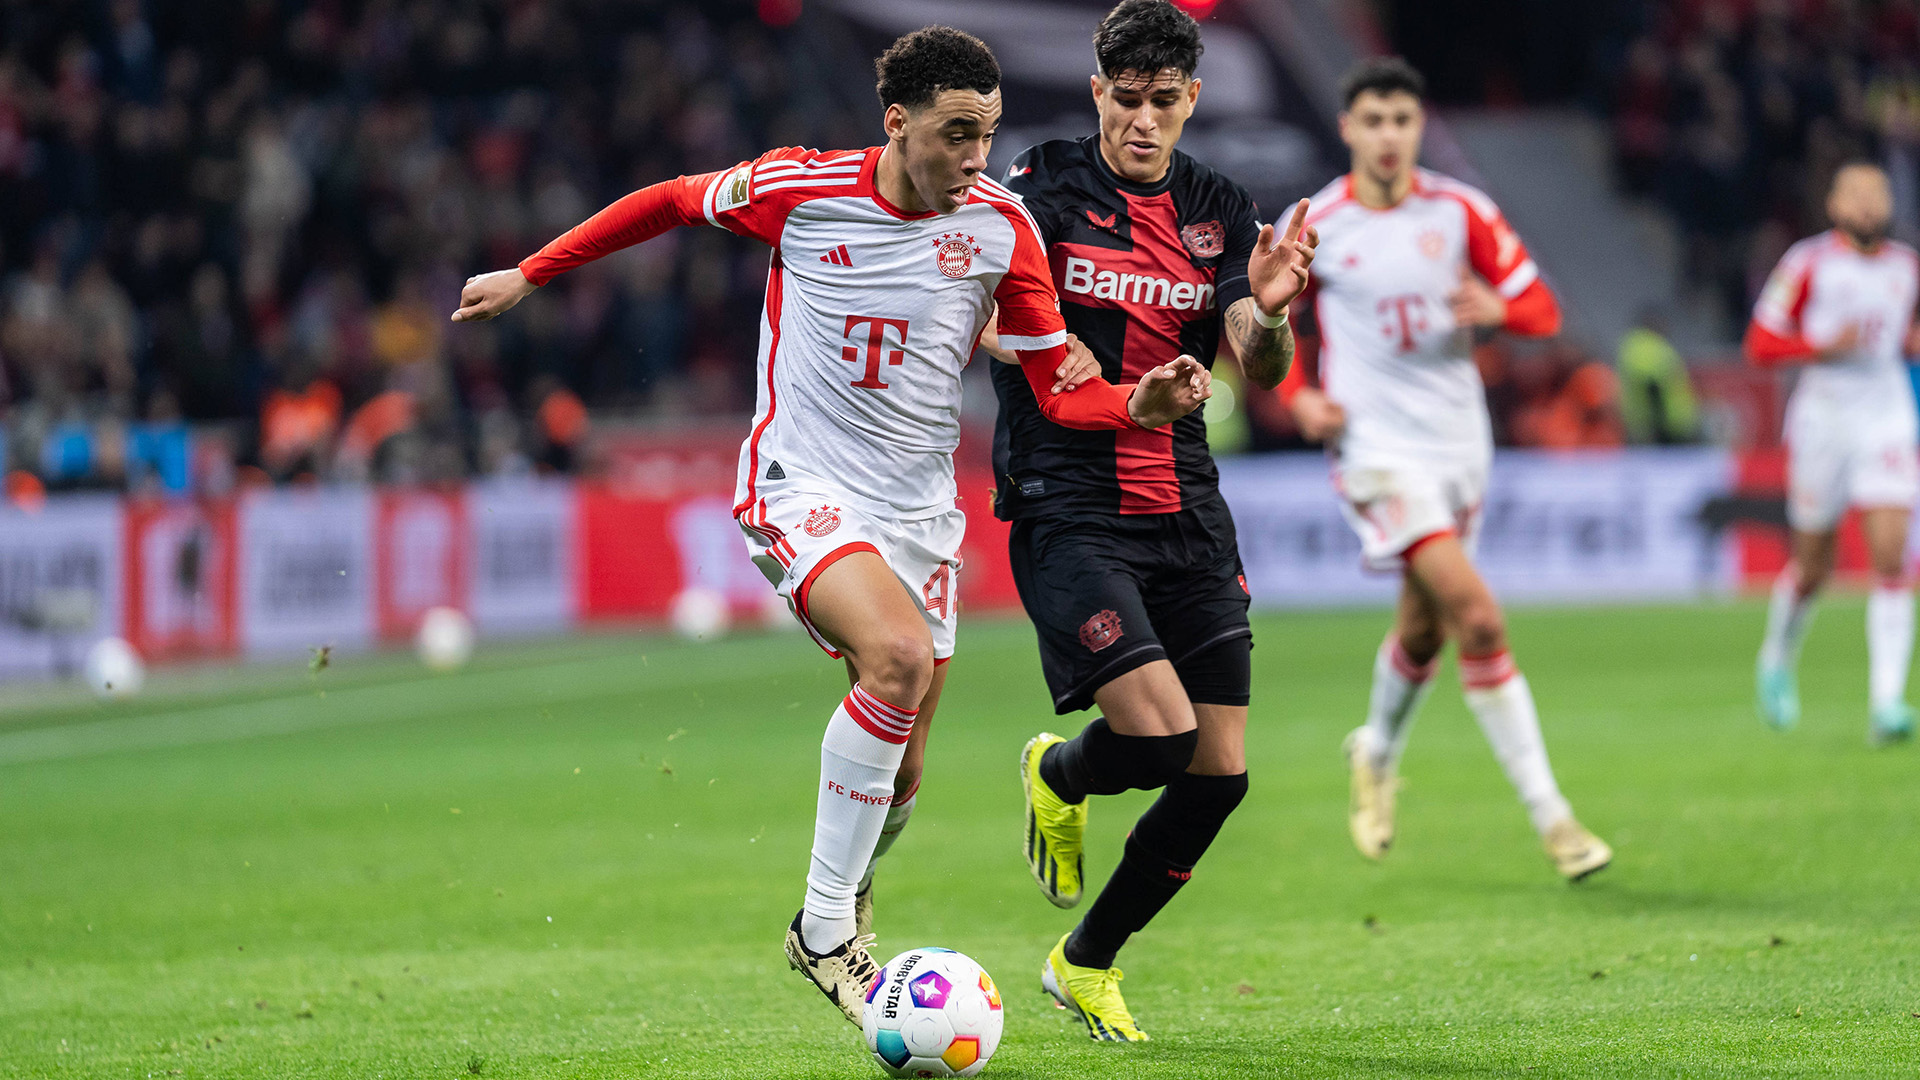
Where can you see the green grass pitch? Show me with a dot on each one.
(576, 859)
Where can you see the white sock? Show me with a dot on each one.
(1503, 703)
(1788, 616)
(863, 748)
(896, 823)
(1889, 642)
(1399, 686)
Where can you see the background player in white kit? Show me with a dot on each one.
(887, 263)
(1410, 264)
(1841, 303)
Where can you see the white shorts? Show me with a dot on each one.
(795, 535)
(1395, 507)
(1839, 460)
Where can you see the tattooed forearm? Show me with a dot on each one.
(1265, 355)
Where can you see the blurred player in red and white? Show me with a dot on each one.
(887, 264)
(1411, 264)
(1841, 305)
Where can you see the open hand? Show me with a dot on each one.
(1278, 272)
(1321, 419)
(492, 294)
(1170, 392)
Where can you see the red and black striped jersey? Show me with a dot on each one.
(1144, 272)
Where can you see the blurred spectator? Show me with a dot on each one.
(197, 198)
(1656, 397)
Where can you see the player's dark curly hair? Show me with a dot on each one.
(1147, 36)
(1381, 75)
(921, 66)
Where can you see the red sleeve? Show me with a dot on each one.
(634, 219)
(1306, 345)
(1775, 335)
(1768, 349)
(1533, 313)
(1031, 327)
(1095, 405)
(752, 199)
(1494, 250)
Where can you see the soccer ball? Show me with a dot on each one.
(113, 669)
(445, 640)
(699, 614)
(932, 1012)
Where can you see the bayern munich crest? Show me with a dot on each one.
(954, 254)
(1205, 239)
(1100, 631)
(822, 521)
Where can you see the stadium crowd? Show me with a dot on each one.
(1734, 114)
(260, 213)
(230, 232)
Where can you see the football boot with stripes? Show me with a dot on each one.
(1092, 994)
(1055, 828)
(844, 974)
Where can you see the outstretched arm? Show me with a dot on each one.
(636, 218)
(1257, 325)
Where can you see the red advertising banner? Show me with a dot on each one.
(181, 564)
(419, 557)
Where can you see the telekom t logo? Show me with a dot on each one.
(1402, 317)
(877, 350)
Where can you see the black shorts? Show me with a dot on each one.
(1109, 593)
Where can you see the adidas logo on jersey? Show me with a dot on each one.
(838, 256)
(1085, 278)
(775, 472)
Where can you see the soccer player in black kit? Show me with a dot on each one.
(1122, 548)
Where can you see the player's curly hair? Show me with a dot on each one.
(1381, 75)
(1147, 36)
(921, 66)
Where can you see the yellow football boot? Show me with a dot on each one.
(1093, 994)
(1054, 829)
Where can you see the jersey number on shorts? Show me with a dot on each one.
(1402, 317)
(876, 348)
(936, 589)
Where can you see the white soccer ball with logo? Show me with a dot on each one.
(932, 1012)
(445, 640)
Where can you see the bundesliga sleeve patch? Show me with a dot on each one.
(734, 191)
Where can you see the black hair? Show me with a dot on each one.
(1381, 75)
(1147, 36)
(919, 67)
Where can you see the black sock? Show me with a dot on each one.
(1161, 852)
(1100, 761)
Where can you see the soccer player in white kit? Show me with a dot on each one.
(887, 263)
(1840, 305)
(1410, 264)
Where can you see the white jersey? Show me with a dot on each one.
(1391, 354)
(1821, 286)
(871, 314)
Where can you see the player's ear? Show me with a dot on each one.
(1193, 93)
(1093, 84)
(895, 121)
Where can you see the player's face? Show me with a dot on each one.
(1383, 131)
(1861, 203)
(1141, 116)
(944, 145)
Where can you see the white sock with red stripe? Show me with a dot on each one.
(1889, 642)
(1399, 686)
(896, 823)
(1788, 615)
(864, 745)
(1503, 703)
